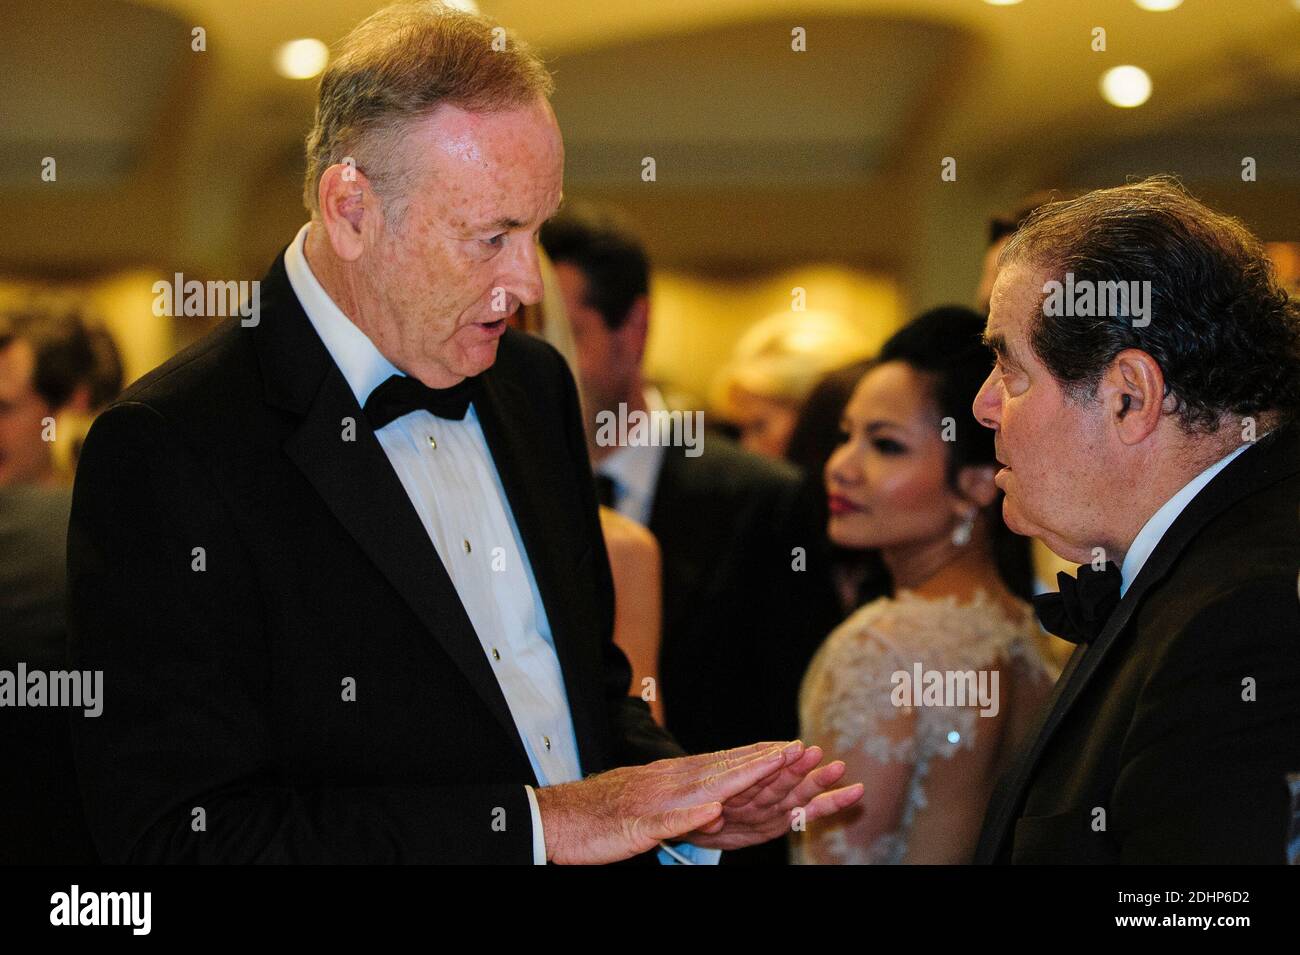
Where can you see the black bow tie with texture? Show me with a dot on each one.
(401, 394)
(1084, 603)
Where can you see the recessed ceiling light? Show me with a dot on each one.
(1001, 3)
(301, 59)
(1158, 4)
(469, 6)
(1126, 86)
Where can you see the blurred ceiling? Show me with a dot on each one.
(180, 159)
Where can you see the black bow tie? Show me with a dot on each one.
(401, 394)
(1085, 602)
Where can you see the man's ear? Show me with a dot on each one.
(975, 482)
(349, 209)
(1132, 395)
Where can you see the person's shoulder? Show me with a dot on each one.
(727, 468)
(207, 374)
(973, 631)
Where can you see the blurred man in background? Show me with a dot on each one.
(740, 622)
(51, 364)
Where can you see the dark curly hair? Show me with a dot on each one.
(1223, 330)
(946, 345)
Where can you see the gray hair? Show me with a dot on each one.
(396, 67)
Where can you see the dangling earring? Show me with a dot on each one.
(962, 531)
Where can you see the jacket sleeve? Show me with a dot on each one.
(181, 765)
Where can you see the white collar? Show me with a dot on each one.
(1159, 522)
(361, 363)
(633, 467)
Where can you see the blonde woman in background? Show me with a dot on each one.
(774, 367)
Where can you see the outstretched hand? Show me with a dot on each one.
(795, 793)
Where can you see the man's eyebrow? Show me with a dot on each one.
(997, 343)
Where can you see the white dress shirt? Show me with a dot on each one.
(1163, 519)
(448, 473)
(634, 469)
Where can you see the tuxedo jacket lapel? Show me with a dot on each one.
(1273, 459)
(358, 485)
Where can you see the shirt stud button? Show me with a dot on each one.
(496, 654)
(466, 545)
(547, 741)
(432, 443)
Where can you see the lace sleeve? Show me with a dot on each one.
(848, 703)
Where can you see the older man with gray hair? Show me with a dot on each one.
(342, 569)
(1155, 437)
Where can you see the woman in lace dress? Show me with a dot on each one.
(914, 479)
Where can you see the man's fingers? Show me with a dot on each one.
(675, 823)
(832, 802)
(775, 789)
(736, 779)
(700, 760)
(812, 784)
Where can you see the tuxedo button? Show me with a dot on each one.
(432, 443)
(496, 654)
(547, 741)
(467, 547)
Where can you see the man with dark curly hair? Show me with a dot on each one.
(1145, 399)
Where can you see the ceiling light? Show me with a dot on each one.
(1126, 86)
(301, 59)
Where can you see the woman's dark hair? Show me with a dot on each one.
(946, 345)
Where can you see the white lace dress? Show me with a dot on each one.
(850, 693)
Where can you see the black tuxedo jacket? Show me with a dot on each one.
(739, 622)
(225, 734)
(1148, 752)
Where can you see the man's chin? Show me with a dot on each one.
(478, 358)
(1016, 521)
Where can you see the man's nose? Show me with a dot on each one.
(986, 407)
(525, 277)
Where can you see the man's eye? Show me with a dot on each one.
(495, 241)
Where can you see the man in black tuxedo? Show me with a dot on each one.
(1157, 440)
(340, 562)
(742, 613)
